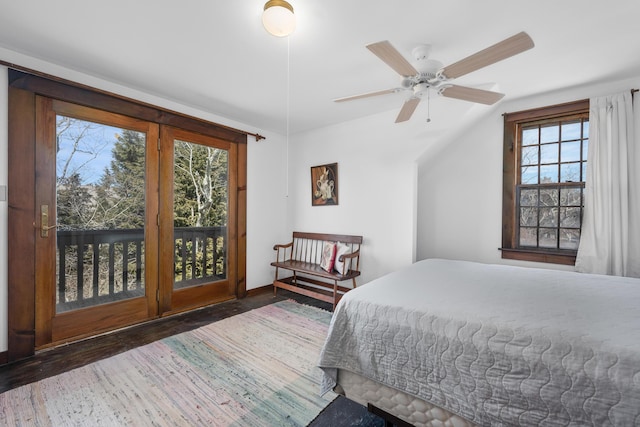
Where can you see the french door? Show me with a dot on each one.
(197, 219)
(134, 220)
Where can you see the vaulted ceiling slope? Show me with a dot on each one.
(216, 56)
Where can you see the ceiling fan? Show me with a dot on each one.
(426, 74)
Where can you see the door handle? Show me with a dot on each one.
(44, 221)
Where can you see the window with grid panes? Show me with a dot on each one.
(553, 160)
(548, 153)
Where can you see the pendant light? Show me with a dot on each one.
(278, 18)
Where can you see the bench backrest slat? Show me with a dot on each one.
(345, 238)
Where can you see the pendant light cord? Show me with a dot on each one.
(287, 112)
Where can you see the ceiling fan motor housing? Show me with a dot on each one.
(429, 67)
(428, 75)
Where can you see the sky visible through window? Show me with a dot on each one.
(554, 153)
(84, 148)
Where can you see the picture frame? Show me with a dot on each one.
(324, 185)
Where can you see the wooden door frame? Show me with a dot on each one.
(23, 88)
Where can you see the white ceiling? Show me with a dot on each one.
(215, 55)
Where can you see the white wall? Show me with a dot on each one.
(375, 193)
(266, 198)
(266, 206)
(460, 189)
(377, 171)
(376, 188)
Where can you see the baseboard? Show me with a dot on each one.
(4, 358)
(260, 290)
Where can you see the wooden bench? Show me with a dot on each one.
(303, 255)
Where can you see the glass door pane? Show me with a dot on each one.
(200, 214)
(100, 209)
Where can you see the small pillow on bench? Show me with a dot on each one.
(328, 256)
(341, 249)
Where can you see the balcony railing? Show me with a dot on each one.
(99, 266)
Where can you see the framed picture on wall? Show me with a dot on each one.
(324, 185)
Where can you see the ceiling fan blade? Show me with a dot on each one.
(499, 51)
(471, 94)
(407, 109)
(394, 59)
(367, 95)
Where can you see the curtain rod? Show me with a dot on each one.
(17, 67)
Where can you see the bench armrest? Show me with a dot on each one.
(349, 255)
(288, 245)
(278, 248)
(353, 259)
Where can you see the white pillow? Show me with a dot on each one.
(344, 266)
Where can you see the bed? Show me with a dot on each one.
(458, 343)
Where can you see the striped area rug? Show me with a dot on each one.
(253, 369)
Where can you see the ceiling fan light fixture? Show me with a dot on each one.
(421, 89)
(278, 18)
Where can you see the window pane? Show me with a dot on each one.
(569, 239)
(201, 194)
(548, 217)
(585, 128)
(570, 172)
(549, 153)
(528, 237)
(529, 175)
(530, 136)
(570, 217)
(100, 202)
(529, 197)
(529, 216)
(570, 151)
(570, 197)
(530, 155)
(548, 174)
(549, 197)
(584, 172)
(548, 238)
(550, 133)
(570, 131)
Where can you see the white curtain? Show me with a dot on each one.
(610, 239)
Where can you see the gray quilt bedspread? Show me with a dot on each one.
(498, 345)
